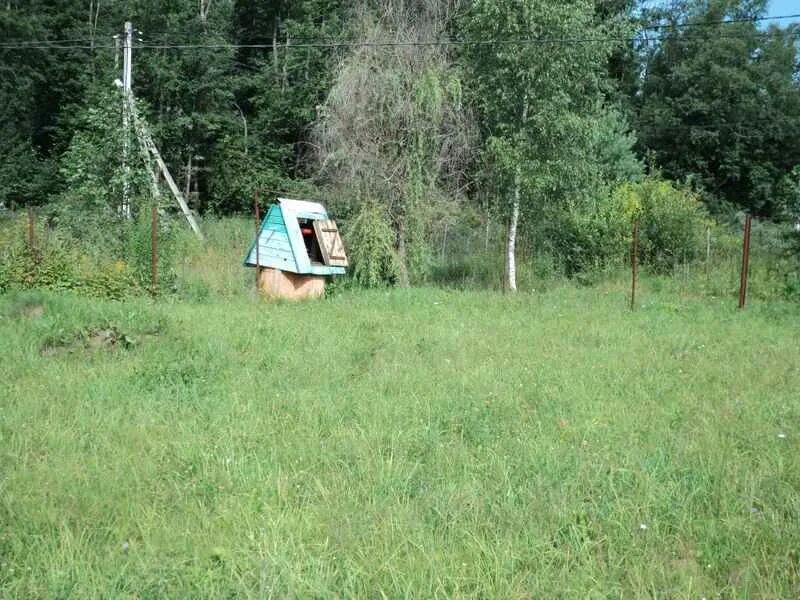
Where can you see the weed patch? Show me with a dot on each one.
(93, 339)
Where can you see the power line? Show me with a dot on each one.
(70, 44)
(654, 128)
(716, 23)
(421, 43)
(85, 40)
(457, 42)
(655, 26)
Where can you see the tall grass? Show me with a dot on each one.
(400, 443)
(213, 268)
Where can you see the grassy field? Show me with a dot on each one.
(405, 443)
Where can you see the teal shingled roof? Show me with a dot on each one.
(280, 242)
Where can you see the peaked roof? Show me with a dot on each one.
(303, 206)
(280, 241)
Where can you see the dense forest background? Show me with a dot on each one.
(557, 119)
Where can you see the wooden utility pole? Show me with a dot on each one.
(127, 76)
(188, 189)
(127, 58)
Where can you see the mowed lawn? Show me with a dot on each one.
(405, 443)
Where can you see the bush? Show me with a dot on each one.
(792, 259)
(594, 238)
(370, 244)
(672, 222)
(591, 239)
(56, 262)
(139, 249)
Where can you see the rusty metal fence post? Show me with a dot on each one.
(258, 229)
(154, 251)
(748, 225)
(634, 261)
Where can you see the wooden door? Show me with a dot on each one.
(330, 243)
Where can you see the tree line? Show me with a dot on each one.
(408, 113)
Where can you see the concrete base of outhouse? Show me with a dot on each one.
(275, 283)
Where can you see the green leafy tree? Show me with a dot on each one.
(394, 128)
(537, 103)
(92, 173)
(720, 104)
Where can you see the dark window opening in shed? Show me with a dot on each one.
(310, 241)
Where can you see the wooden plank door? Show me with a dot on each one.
(330, 243)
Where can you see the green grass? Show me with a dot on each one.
(406, 443)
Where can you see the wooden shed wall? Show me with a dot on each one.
(274, 247)
(280, 241)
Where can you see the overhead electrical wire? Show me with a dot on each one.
(656, 26)
(716, 23)
(284, 44)
(701, 128)
(84, 40)
(393, 44)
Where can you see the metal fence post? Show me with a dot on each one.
(748, 225)
(634, 262)
(258, 229)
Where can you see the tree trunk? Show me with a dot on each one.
(244, 124)
(275, 46)
(284, 76)
(188, 178)
(403, 279)
(94, 14)
(486, 232)
(205, 6)
(511, 246)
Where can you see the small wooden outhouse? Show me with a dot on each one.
(298, 247)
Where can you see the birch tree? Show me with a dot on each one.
(537, 89)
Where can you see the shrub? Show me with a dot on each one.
(139, 249)
(370, 244)
(58, 263)
(672, 222)
(593, 238)
(792, 259)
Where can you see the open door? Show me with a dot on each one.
(330, 243)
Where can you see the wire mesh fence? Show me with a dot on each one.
(462, 254)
